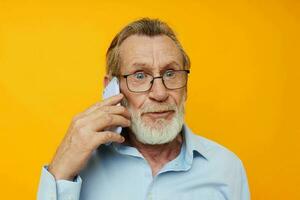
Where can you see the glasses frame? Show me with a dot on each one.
(157, 77)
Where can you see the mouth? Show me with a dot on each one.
(160, 114)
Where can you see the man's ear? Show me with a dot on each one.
(106, 80)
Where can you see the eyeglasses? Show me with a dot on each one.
(142, 82)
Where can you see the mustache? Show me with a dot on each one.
(150, 107)
(162, 107)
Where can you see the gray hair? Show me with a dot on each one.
(146, 27)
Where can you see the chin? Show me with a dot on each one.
(160, 131)
(156, 123)
(152, 126)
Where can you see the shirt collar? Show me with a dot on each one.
(193, 144)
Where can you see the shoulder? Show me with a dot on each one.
(213, 151)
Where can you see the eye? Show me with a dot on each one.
(139, 75)
(169, 74)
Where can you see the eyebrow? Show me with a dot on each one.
(172, 63)
(139, 64)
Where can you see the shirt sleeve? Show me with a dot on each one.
(51, 189)
(244, 191)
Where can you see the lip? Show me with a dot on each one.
(163, 114)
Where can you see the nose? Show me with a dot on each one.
(158, 91)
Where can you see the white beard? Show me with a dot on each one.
(160, 131)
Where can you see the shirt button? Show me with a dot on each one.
(150, 196)
(69, 198)
(52, 196)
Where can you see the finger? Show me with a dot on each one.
(107, 121)
(112, 100)
(119, 110)
(109, 101)
(107, 136)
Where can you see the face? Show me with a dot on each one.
(157, 115)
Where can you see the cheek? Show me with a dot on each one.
(135, 101)
(178, 96)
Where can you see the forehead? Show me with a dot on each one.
(151, 52)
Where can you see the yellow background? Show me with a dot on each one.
(243, 88)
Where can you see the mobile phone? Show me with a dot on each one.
(112, 89)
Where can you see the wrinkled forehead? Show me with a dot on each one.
(154, 53)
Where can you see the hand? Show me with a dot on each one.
(85, 134)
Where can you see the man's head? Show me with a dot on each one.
(142, 50)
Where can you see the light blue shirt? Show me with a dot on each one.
(204, 170)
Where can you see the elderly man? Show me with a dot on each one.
(156, 156)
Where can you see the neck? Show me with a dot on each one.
(159, 154)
